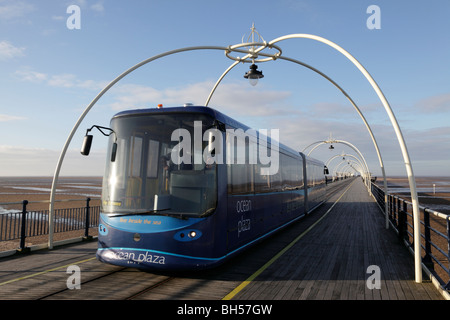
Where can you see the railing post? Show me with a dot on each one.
(86, 229)
(23, 229)
(447, 286)
(396, 208)
(427, 258)
(391, 210)
(405, 211)
(402, 225)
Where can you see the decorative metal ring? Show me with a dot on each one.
(253, 53)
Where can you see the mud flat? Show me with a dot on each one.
(433, 192)
(71, 192)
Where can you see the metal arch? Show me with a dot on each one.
(109, 86)
(88, 108)
(408, 165)
(400, 138)
(377, 149)
(348, 162)
(346, 169)
(343, 155)
(350, 166)
(348, 144)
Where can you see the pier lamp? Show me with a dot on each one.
(253, 75)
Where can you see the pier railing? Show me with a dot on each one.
(435, 233)
(21, 224)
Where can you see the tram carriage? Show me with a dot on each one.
(181, 191)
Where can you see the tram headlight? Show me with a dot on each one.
(187, 235)
(192, 234)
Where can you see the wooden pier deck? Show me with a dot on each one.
(331, 261)
(325, 256)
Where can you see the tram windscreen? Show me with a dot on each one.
(160, 167)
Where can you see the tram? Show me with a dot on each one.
(186, 188)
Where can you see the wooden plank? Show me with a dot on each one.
(333, 259)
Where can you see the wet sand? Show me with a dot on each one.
(36, 190)
(436, 198)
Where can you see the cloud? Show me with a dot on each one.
(84, 5)
(98, 7)
(31, 76)
(26, 161)
(65, 80)
(437, 103)
(62, 80)
(230, 98)
(6, 118)
(9, 51)
(14, 9)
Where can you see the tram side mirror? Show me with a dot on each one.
(114, 152)
(325, 170)
(87, 142)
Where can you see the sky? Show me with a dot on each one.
(54, 60)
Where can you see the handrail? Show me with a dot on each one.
(47, 201)
(21, 223)
(434, 235)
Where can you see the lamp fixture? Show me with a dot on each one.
(253, 75)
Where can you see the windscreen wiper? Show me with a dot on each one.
(138, 213)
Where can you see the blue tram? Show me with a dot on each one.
(190, 187)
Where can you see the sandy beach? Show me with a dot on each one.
(433, 192)
(71, 192)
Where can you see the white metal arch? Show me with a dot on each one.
(400, 138)
(366, 168)
(343, 155)
(347, 162)
(85, 112)
(252, 55)
(377, 149)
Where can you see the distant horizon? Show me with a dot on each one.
(101, 176)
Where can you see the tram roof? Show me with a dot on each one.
(201, 110)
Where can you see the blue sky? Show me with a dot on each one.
(50, 73)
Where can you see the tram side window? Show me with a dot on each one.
(291, 173)
(117, 172)
(262, 182)
(265, 182)
(316, 176)
(240, 178)
(240, 167)
(285, 171)
(249, 178)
